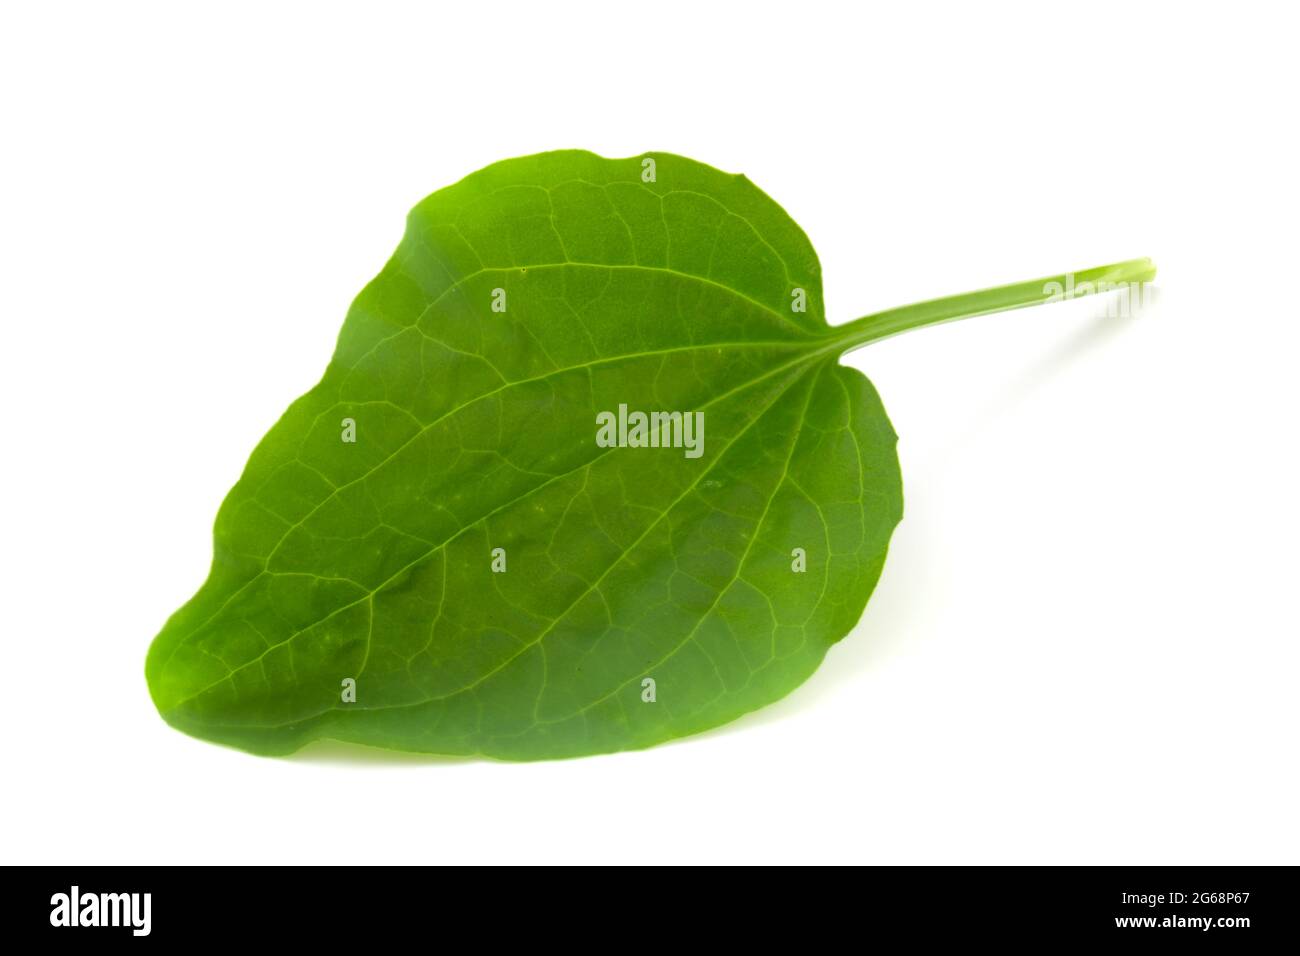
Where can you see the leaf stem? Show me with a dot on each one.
(1069, 285)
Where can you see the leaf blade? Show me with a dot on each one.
(327, 563)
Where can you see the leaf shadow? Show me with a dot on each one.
(330, 752)
(1101, 328)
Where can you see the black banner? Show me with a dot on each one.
(1229, 906)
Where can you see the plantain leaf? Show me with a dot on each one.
(476, 536)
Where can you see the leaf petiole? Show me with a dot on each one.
(1117, 276)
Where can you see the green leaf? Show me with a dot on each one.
(432, 551)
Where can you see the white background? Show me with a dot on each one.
(1084, 645)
